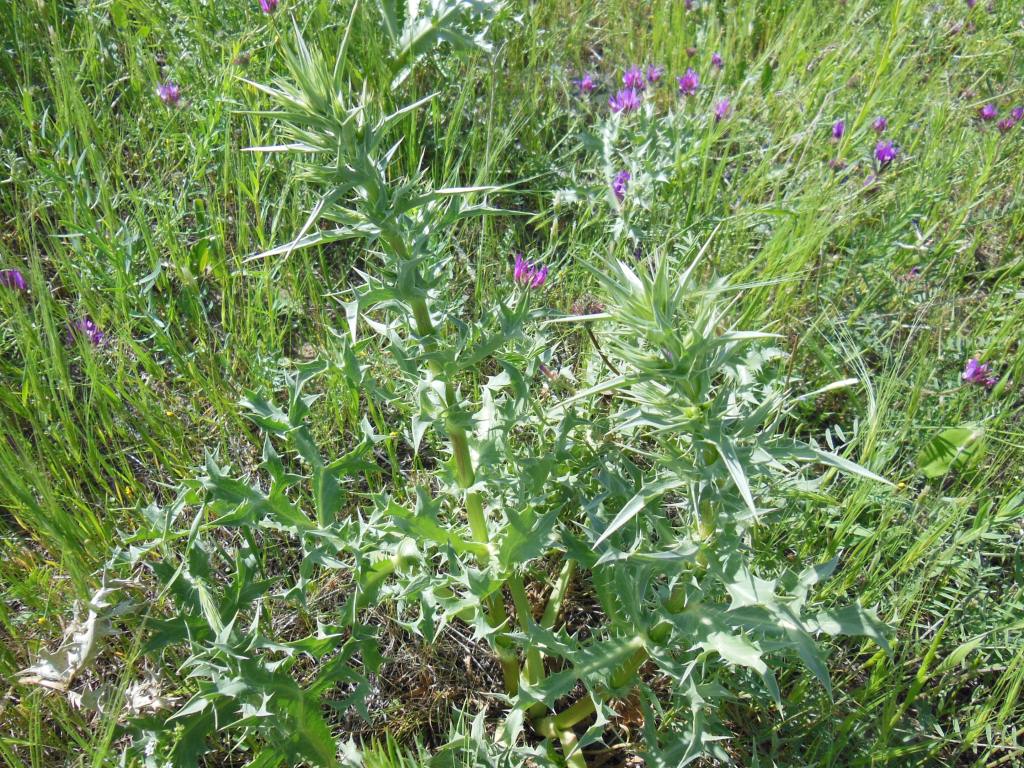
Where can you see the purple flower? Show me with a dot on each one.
(586, 83)
(721, 110)
(268, 6)
(12, 278)
(976, 372)
(625, 100)
(527, 274)
(169, 93)
(838, 129)
(689, 82)
(654, 73)
(620, 184)
(988, 112)
(1005, 125)
(885, 153)
(716, 60)
(86, 327)
(971, 3)
(1017, 113)
(688, 4)
(880, 124)
(633, 78)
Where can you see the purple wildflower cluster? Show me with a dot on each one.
(721, 110)
(169, 93)
(885, 150)
(689, 82)
(636, 80)
(620, 184)
(86, 328)
(530, 275)
(625, 100)
(14, 280)
(586, 83)
(989, 112)
(885, 153)
(268, 6)
(977, 372)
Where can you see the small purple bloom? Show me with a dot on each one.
(654, 73)
(620, 184)
(586, 83)
(527, 274)
(12, 278)
(169, 93)
(977, 372)
(721, 110)
(716, 60)
(688, 4)
(1005, 125)
(885, 153)
(625, 100)
(880, 124)
(689, 82)
(268, 6)
(1017, 113)
(86, 327)
(988, 112)
(633, 78)
(539, 277)
(971, 3)
(838, 129)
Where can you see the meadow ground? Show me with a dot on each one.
(148, 219)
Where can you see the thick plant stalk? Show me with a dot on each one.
(548, 621)
(534, 660)
(558, 592)
(466, 477)
(584, 707)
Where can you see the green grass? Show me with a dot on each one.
(148, 219)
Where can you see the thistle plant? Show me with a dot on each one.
(641, 485)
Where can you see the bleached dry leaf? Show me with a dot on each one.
(81, 644)
(146, 695)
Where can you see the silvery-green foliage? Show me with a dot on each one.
(640, 484)
(416, 27)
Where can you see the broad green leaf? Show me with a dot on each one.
(425, 528)
(727, 451)
(735, 649)
(632, 507)
(854, 620)
(953, 448)
(327, 496)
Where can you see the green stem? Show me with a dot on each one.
(466, 477)
(524, 612)
(573, 755)
(558, 592)
(548, 621)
